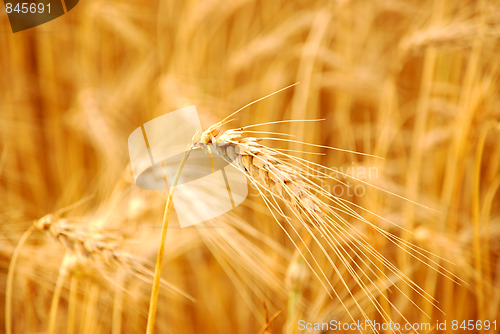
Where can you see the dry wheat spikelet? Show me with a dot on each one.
(319, 212)
(103, 249)
(98, 247)
(262, 165)
(95, 245)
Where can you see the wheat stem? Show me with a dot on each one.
(54, 305)
(89, 318)
(153, 305)
(293, 295)
(10, 280)
(73, 295)
(116, 327)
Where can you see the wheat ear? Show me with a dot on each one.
(319, 212)
(96, 246)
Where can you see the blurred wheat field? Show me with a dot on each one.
(414, 82)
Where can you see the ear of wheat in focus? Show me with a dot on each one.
(281, 178)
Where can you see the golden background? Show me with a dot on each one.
(414, 82)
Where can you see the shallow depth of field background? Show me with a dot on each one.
(415, 82)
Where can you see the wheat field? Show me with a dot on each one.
(407, 91)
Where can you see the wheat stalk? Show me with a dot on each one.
(155, 290)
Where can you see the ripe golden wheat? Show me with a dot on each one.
(321, 214)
